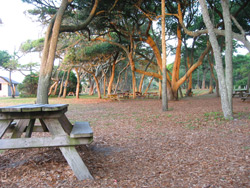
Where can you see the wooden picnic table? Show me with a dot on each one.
(239, 92)
(245, 96)
(71, 94)
(21, 119)
(154, 94)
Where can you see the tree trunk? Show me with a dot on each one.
(229, 50)
(91, 87)
(49, 54)
(104, 84)
(52, 87)
(211, 85)
(204, 78)
(248, 83)
(164, 59)
(149, 85)
(190, 83)
(176, 67)
(97, 87)
(11, 85)
(119, 76)
(112, 76)
(225, 102)
(61, 85)
(78, 82)
(55, 88)
(66, 84)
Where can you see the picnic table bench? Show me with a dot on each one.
(239, 92)
(71, 94)
(245, 97)
(124, 95)
(21, 119)
(113, 96)
(154, 94)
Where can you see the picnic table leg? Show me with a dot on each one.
(30, 127)
(4, 124)
(70, 154)
(75, 162)
(21, 125)
(45, 129)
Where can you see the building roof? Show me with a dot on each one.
(5, 79)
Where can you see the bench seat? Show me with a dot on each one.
(81, 129)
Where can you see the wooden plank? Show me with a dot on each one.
(54, 141)
(4, 124)
(20, 127)
(31, 115)
(29, 129)
(69, 153)
(45, 129)
(66, 125)
(54, 127)
(75, 162)
(33, 107)
(81, 130)
(54, 107)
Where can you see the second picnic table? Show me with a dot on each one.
(53, 120)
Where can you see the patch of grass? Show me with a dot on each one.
(246, 147)
(138, 126)
(214, 115)
(169, 115)
(190, 126)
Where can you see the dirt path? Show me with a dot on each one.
(138, 145)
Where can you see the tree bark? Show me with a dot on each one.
(229, 50)
(49, 54)
(204, 78)
(112, 76)
(164, 59)
(225, 102)
(97, 87)
(61, 85)
(118, 80)
(78, 82)
(50, 44)
(66, 83)
(11, 85)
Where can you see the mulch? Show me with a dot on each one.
(136, 144)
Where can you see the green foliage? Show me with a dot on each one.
(29, 85)
(241, 66)
(72, 81)
(32, 45)
(4, 58)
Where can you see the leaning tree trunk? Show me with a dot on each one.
(225, 101)
(11, 86)
(66, 84)
(97, 87)
(49, 54)
(61, 85)
(176, 67)
(78, 82)
(112, 75)
(190, 81)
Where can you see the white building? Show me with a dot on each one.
(5, 90)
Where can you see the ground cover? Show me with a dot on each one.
(138, 145)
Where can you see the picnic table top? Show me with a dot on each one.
(236, 90)
(33, 108)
